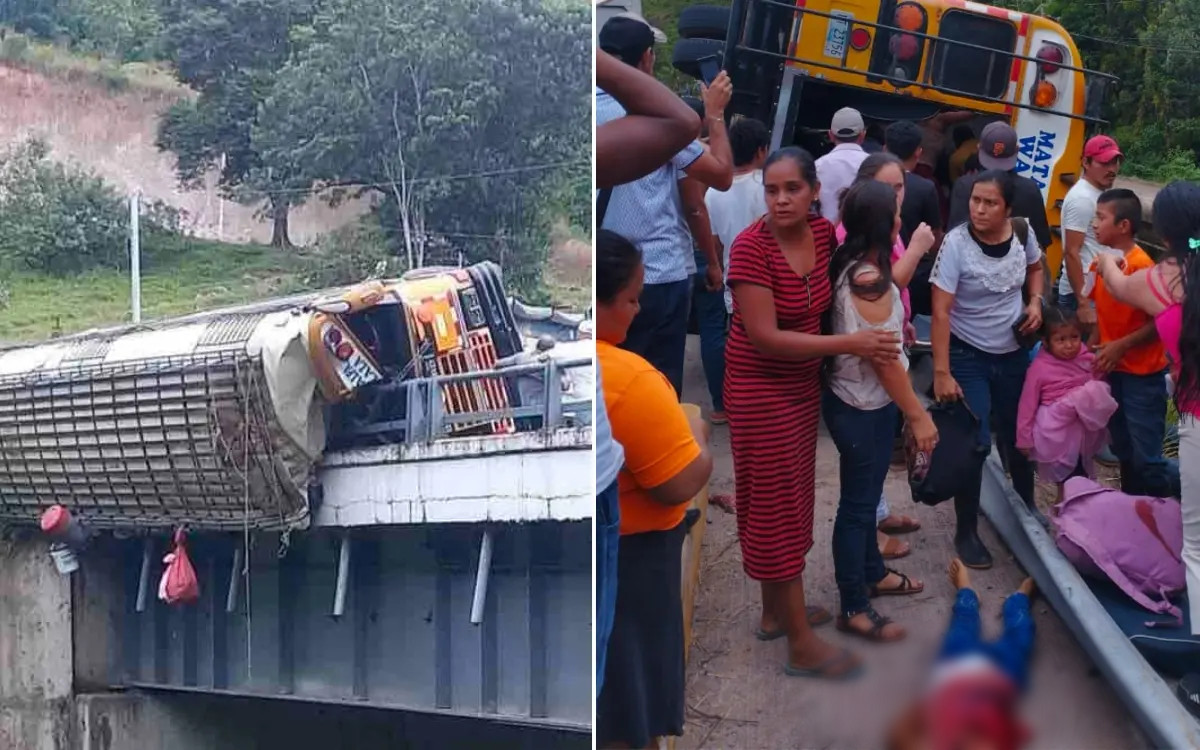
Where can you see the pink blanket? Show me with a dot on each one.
(1072, 429)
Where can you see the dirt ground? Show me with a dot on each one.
(739, 697)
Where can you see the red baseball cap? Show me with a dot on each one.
(1102, 148)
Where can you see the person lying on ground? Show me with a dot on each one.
(976, 686)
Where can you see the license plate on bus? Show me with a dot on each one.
(838, 34)
(353, 367)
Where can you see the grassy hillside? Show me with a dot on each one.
(207, 276)
(199, 276)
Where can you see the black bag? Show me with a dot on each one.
(936, 477)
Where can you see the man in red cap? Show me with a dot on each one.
(1101, 162)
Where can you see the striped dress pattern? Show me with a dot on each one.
(774, 406)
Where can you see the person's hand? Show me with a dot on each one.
(1033, 318)
(716, 95)
(922, 239)
(881, 347)
(945, 387)
(714, 278)
(924, 432)
(1108, 356)
(910, 334)
(1109, 263)
(1086, 314)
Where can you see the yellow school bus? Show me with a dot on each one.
(795, 62)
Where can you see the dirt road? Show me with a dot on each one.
(739, 697)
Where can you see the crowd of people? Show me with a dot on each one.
(805, 277)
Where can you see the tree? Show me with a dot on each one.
(451, 110)
(229, 52)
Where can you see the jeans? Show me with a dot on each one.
(1137, 431)
(608, 537)
(659, 331)
(864, 444)
(991, 385)
(1068, 302)
(711, 317)
(1010, 653)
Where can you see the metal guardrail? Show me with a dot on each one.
(427, 420)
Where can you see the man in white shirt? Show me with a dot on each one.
(837, 169)
(1101, 162)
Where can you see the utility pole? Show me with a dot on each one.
(135, 259)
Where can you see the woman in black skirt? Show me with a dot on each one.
(666, 464)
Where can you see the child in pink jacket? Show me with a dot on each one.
(1062, 418)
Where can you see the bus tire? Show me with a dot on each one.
(703, 22)
(688, 52)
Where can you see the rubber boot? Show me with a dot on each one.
(967, 543)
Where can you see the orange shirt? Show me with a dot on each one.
(649, 424)
(1116, 320)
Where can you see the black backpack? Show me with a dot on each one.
(942, 474)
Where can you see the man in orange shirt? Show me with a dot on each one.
(1129, 352)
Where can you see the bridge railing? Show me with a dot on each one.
(543, 404)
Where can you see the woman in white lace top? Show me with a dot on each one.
(987, 287)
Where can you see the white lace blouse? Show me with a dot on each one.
(987, 290)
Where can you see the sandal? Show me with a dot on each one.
(894, 549)
(875, 634)
(899, 525)
(905, 588)
(817, 616)
(827, 670)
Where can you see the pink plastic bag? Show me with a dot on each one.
(178, 584)
(1135, 542)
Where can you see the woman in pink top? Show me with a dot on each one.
(1062, 418)
(1170, 291)
(888, 169)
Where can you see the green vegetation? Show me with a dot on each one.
(184, 276)
(468, 120)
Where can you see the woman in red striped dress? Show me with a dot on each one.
(779, 274)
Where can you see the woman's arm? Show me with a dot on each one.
(945, 387)
(919, 244)
(757, 305)
(1135, 289)
(892, 375)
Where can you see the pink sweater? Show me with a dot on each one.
(839, 233)
(1048, 380)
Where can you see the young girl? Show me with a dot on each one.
(1062, 418)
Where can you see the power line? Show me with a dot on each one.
(543, 167)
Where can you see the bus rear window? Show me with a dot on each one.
(970, 70)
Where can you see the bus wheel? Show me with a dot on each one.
(688, 52)
(703, 22)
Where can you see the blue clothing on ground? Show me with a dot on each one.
(1010, 652)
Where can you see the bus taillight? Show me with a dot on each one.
(860, 39)
(1043, 95)
(1051, 56)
